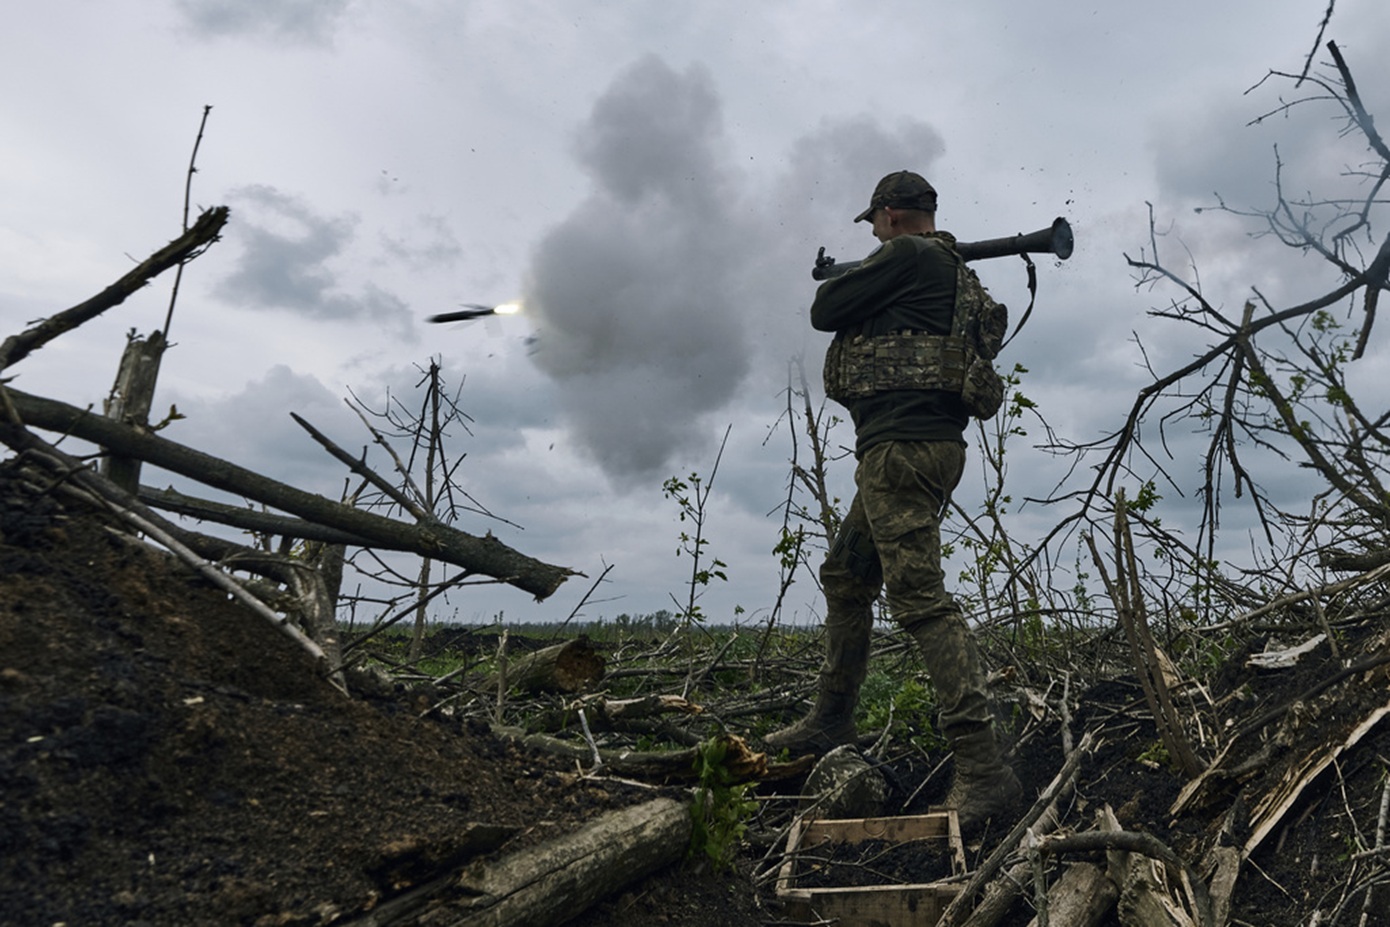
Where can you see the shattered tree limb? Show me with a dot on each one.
(485, 555)
(570, 666)
(188, 245)
(171, 500)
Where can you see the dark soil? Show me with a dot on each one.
(875, 862)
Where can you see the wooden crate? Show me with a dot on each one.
(904, 905)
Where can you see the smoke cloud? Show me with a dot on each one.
(678, 275)
(638, 316)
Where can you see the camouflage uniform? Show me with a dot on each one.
(891, 538)
(910, 447)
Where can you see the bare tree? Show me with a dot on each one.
(1272, 383)
(429, 489)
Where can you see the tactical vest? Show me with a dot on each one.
(859, 366)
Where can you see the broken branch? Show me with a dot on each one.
(188, 245)
(485, 555)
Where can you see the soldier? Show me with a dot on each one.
(909, 423)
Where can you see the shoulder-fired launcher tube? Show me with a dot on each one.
(1055, 239)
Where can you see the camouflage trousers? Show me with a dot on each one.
(891, 539)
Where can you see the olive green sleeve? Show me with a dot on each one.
(858, 294)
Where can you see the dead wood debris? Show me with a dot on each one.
(1264, 733)
(127, 443)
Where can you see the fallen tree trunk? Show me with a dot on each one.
(572, 666)
(642, 706)
(485, 555)
(171, 500)
(665, 766)
(551, 883)
(643, 714)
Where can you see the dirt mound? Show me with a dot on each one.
(168, 758)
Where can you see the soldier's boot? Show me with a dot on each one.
(984, 786)
(830, 722)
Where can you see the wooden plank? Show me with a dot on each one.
(902, 905)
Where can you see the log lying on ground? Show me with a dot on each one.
(572, 667)
(551, 883)
(642, 706)
(641, 715)
(666, 766)
(485, 555)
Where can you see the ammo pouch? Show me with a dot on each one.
(862, 365)
(983, 389)
(856, 553)
(859, 366)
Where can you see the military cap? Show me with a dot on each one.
(901, 190)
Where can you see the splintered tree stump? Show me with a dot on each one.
(554, 882)
(131, 400)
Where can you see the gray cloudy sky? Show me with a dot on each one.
(653, 181)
